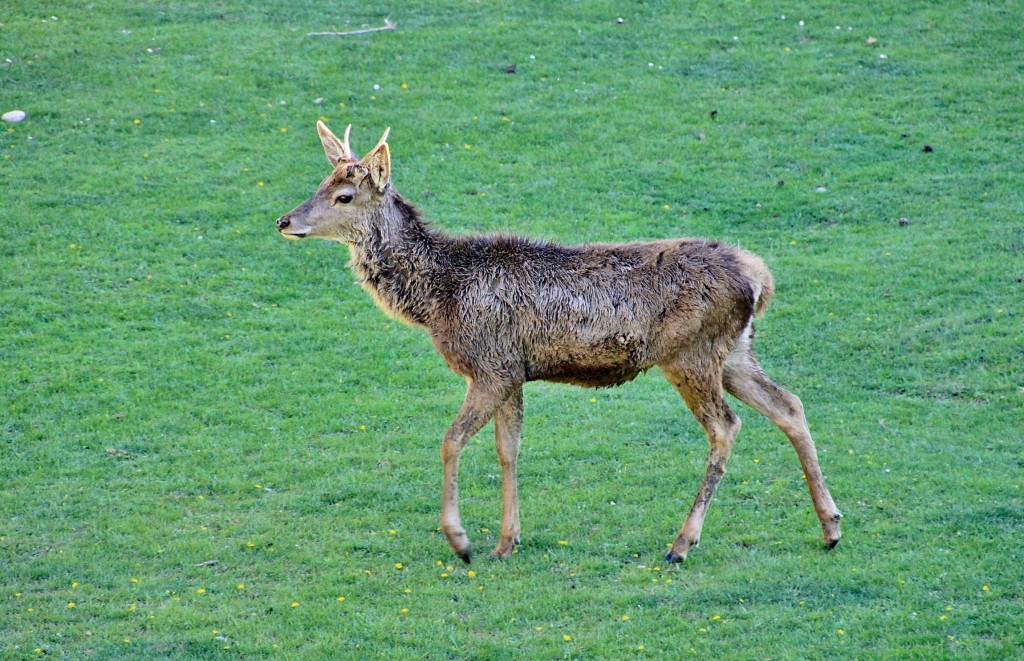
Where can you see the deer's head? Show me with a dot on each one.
(342, 209)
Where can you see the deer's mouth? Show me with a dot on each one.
(294, 237)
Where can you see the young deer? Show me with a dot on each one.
(504, 310)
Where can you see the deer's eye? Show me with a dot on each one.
(343, 199)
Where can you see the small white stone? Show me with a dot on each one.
(376, 87)
(883, 56)
(14, 116)
(821, 189)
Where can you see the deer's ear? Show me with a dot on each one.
(336, 150)
(378, 163)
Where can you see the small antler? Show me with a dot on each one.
(383, 138)
(349, 156)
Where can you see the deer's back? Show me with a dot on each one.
(593, 315)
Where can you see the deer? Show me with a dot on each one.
(504, 310)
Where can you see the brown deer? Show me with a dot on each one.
(504, 310)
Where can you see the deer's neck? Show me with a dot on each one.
(398, 261)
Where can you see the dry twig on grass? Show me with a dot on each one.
(388, 25)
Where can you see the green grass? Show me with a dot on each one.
(181, 386)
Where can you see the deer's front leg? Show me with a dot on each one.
(478, 407)
(508, 424)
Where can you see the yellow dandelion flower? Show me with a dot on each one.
(201, 590)
(593, 400)
(563, 542)
(404, 86)
(136, 121)
(341, 598)
(625, 618)
(407, 590)
(398, 565)
(260, 184)
(567, 638)
(471, 573)
(295, 604)
(444, 575)
(984, 588)
(439, 563)
(404, 610)
(240, 586)
(135, 580)
(468, 146)
(841, 632)
(716, 617)
(71, 604)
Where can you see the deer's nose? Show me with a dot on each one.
(283, 222)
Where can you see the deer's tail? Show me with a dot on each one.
(760, 279)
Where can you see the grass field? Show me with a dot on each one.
(212, 445)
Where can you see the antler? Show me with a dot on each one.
(349, 156)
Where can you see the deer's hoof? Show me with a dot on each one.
(680, 548)
(832, 533)
(459, 542)
(503, 550)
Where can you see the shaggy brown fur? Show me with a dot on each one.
(505, 310)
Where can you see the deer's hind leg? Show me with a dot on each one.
(744, 379)
(701, 389)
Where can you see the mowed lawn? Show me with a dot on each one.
(212, 445)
